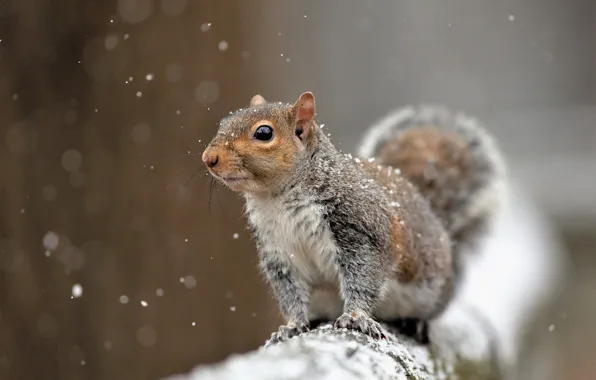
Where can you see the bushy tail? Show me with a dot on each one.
(452, 160)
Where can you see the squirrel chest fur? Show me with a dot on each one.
(338, 238)
(295, 227)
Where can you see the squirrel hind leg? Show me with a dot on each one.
(415, 328)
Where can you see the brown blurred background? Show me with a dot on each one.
(120, 260)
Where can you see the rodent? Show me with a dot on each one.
(338, 237)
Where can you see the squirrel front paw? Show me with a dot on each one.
(361, 323)
(288, 331)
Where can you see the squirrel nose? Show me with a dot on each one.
(210, 159)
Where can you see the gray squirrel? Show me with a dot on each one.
(358, 240)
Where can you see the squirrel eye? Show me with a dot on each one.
(263, 133)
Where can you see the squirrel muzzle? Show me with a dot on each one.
(224, 166)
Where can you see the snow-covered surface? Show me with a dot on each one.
(517, 270)
(323, 354)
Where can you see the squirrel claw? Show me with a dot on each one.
(288, 331)
(361, 323)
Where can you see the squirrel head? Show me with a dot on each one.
(258, 148)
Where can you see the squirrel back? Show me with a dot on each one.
(452, 160)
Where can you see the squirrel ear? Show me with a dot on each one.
(257, 100)
(304, 112)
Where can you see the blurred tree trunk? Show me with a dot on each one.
(102, 102)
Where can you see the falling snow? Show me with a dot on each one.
(222, 45)
(51, 240)
(111, 42)
(146, 336)
(189, 282)
(77, 290)
(205, 27)
(72, 160)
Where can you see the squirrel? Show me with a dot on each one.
(354, 240)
